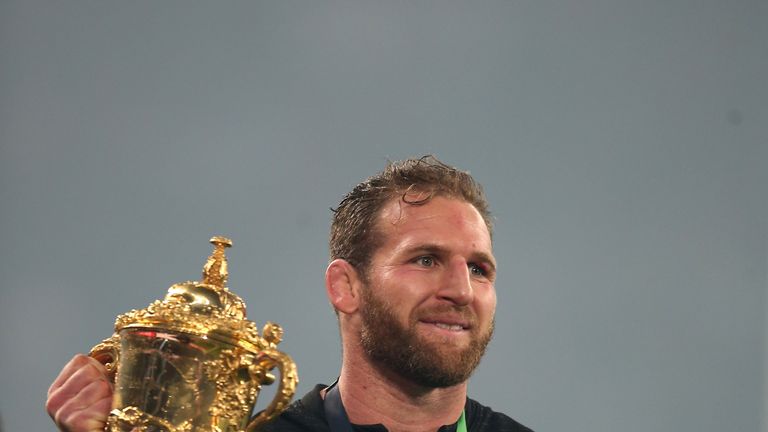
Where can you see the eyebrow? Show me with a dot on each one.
(436, 249)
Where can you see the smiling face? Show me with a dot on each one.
(428, 304)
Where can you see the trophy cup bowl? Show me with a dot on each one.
(192, 362)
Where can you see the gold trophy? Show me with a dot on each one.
(192, 362)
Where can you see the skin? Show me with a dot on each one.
(436, 266)
(81, 396)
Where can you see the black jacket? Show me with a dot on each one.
(308, 415)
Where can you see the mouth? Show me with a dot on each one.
(449, 325)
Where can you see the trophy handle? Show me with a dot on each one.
(268, 360)
(108, 353)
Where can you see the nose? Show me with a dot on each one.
(456, 286)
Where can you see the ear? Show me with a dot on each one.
(342, 285)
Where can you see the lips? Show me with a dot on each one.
(452, 324)
(452, 327)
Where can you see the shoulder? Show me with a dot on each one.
(304, 415)
(483, 418)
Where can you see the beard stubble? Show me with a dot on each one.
(401, 350)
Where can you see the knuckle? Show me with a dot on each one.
(79, 359)
(54, 402)
(85, 375)
(99, 388)
(86, 419)
(71, 423)
(58, 417)
(76, 421)
(50, 408)
(95, 367)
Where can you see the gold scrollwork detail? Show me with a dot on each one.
(139, 421)
(175, 316)
(236, 393)
(289, 379)
(108, 353)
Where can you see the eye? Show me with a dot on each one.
(425, 261)
(476, 270)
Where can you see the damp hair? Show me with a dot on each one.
(355, 234)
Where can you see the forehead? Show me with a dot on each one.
(438, 220)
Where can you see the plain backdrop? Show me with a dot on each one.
(623, 146)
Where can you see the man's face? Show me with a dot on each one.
(429, 301)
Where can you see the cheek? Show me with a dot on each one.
(411, 281)
(403, 289)
(486, 301)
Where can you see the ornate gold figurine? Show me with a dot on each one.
(192, 362)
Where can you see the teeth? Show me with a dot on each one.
(453, 327)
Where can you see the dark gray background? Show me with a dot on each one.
(623, 145)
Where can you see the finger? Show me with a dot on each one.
(87, 410)
(76, 384)
(92, 419)
(77, 362)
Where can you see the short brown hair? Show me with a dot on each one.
(354, 236)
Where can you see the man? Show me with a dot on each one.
(412, 281)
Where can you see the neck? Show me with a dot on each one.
(372, 395)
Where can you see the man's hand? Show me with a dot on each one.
(80, 397)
